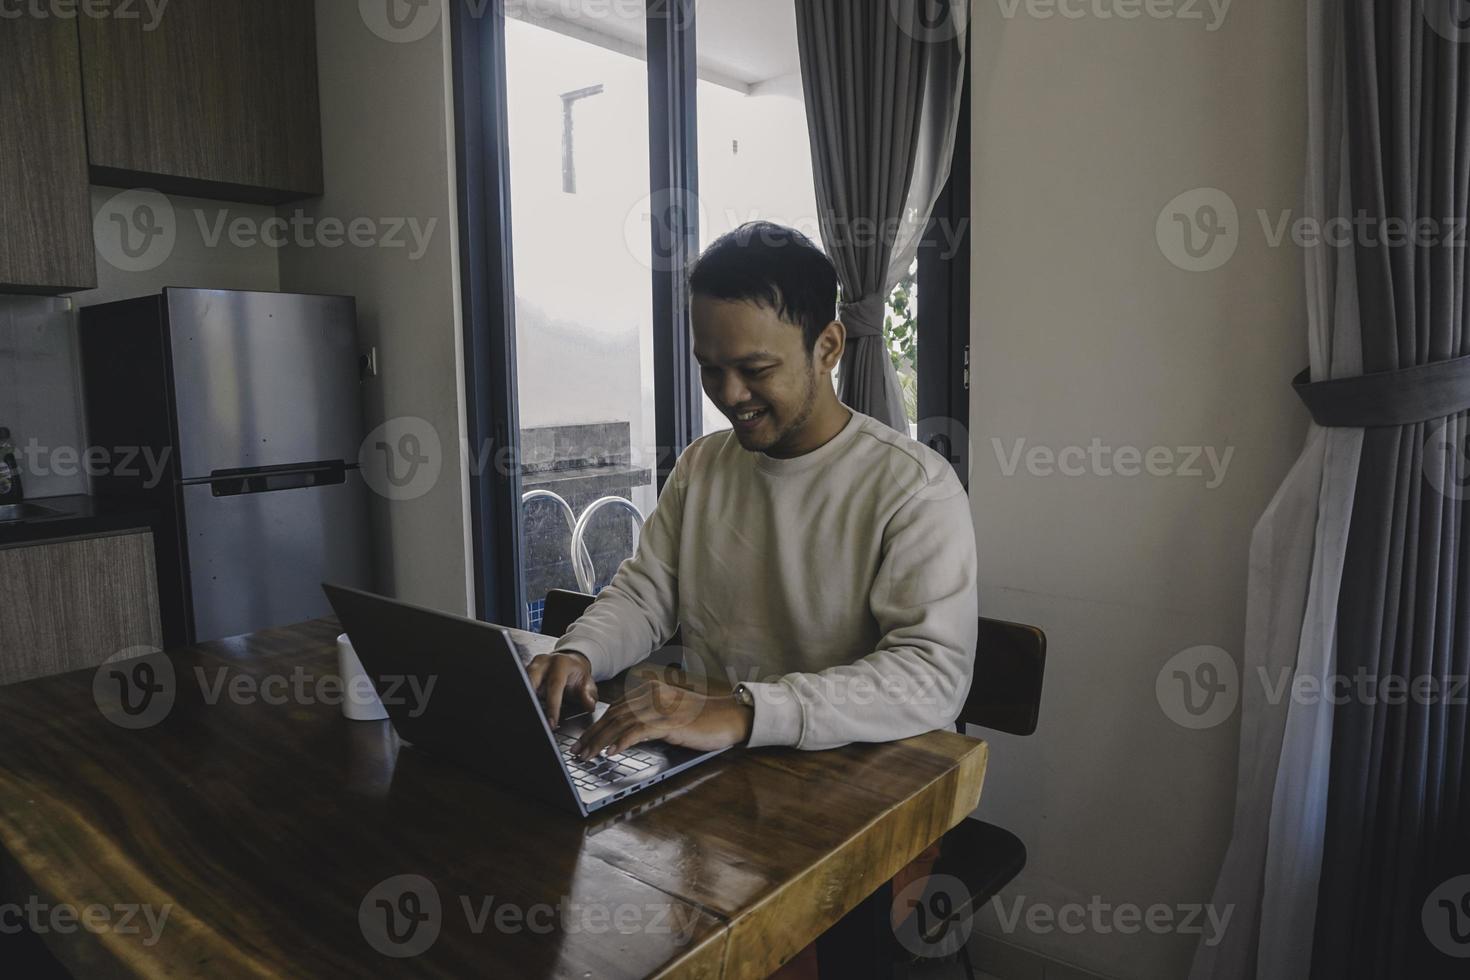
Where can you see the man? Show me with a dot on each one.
(819, 562)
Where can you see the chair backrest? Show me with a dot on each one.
(562, 609)
(1010, 661)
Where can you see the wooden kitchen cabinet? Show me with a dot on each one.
(218, 100)
(45, 216)
(71, 604)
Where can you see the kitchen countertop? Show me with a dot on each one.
(82, 516)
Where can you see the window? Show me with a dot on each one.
(755, 159)
(578, 133)
(577, 114)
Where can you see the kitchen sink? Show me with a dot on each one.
(10, 513)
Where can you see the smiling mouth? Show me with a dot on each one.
(749, 418)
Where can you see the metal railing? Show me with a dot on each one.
(581, 557)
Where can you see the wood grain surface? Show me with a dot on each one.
(66, 605)
(45, 215)
(274, 832)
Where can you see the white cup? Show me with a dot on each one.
(359, 698)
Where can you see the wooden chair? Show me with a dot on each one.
(1005, 696)
(562, 609)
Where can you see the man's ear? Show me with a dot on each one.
(830, 344)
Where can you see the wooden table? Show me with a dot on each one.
(267, 825)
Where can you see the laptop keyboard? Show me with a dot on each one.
(603, 770)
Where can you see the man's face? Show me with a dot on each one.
(755, 368)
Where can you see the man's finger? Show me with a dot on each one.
(556, 686)
(536, 670)
(631, 736)
(610, 738)
(600, 733)
(589, 694)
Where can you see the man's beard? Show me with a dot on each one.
(791, 429)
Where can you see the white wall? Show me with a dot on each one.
(387, 156)
(1084, 128)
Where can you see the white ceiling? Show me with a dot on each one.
(741, 41)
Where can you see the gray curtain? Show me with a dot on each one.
(1351, 827)
(1398, 823)
(871, 75)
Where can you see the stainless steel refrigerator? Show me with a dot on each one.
(250, 405)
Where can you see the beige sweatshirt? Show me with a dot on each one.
(839, 586)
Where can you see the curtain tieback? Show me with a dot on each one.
(1413, 394)
(865, 317)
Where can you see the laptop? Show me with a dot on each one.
(481, 711)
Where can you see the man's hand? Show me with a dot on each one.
(677, 715)
(553, 676)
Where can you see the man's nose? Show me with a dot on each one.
(733, 390)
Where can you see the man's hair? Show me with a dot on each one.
(775, 267)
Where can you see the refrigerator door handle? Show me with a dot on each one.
(269, 479)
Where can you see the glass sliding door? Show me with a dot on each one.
(577, 119)
(755, 159)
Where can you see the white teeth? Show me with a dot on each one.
(747, 416)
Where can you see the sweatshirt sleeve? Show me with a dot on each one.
(925, 602)
(639, 610)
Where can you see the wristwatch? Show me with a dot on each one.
(742, 696)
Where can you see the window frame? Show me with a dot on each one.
(492, 422)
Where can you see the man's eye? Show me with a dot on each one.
(760, 372)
